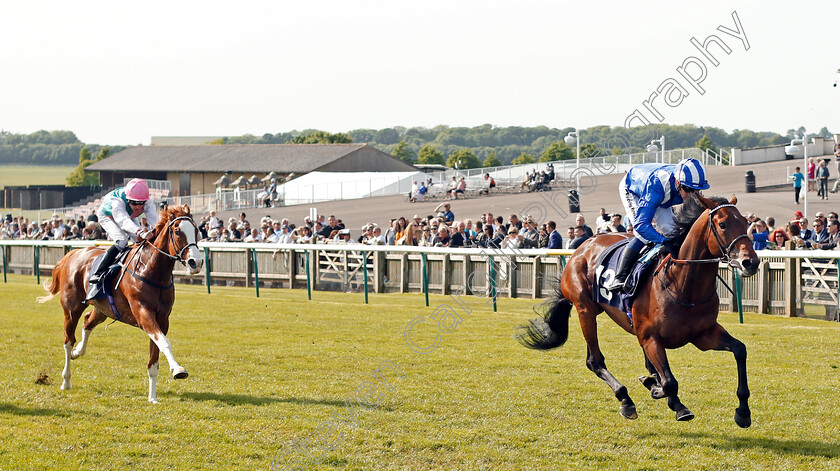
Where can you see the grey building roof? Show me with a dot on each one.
(297, 158)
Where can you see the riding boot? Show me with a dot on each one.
(107, 261)
(628, 259)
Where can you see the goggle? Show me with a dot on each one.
(136, 203)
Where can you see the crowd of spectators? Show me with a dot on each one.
(825, 234)
(55, 228)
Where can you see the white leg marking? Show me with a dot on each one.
(65, 384)
(82, 346)
(165, 347)
(153, 374)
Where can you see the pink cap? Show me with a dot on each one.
(137, 190)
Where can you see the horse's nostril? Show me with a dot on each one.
(191, 263)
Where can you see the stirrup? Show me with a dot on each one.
(94, 279)
(616, 285)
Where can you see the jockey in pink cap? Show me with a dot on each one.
(118, 215)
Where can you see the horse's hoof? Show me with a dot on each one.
(685, 415)
(743, 422)
(656, 392)
(628, 412)
(65, 386)
(180, 373)
(153, 400)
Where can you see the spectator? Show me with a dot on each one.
(822, 177)
(425, 239)
(529, 236)
(513, 221)
(555, 240)
(570, 237)
(489, 184)
(771, 223)
(778, 239)
(580, 237)
(615, 224)
(450, 190)
(579, 219)
(376, 237)
(512, 241)
(797, 178)
(833, 238)
(234, 234)
(812, 170)
(408, 236)
(442, 238)
(459, 236)
(602, 221)
(285, 235)
(327, 230)
(445, 211)
(214, 222)
(253, 236)
(758, 234)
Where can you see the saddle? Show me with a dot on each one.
(105, 287)
(606, 268)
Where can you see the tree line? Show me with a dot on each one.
(44, 148)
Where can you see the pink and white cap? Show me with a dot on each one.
(137, 190)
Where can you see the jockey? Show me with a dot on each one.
(648, 193)
(117, 216)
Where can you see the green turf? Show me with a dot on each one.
(20, 175)
(265, 372)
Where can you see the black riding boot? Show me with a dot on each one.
(628, 259)
(106, 262)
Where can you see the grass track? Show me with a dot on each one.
(17, 175)
(270, 370)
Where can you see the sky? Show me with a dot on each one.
(117, 73)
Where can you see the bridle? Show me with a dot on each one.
(725, 257)
(179, 256)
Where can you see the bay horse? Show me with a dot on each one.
(675, 306)
(143, 296)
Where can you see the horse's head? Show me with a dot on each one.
(728, 235)
(178, 228)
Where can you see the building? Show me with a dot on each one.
(192, 170)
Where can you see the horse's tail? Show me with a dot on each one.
(52, 287)
(552, 330)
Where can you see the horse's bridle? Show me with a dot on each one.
(720, 242)
(180, 255)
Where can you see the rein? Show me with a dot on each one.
(725, 257)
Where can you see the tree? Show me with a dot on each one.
(428, 155)
(705, 143)
(589, 150)
(557, 151)
(402, 152)
(78, 177)
(492, 161)
(463, 158)
(321, 137)
(523, 159)
(825, 133)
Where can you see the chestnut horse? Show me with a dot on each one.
(677, 305)
(143, 296)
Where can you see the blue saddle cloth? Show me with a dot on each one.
(607, 267)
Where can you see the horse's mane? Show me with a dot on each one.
(168, 214)
(687, 213)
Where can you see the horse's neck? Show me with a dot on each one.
(691, 276)
(157, 260)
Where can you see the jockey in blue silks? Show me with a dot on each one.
(648, 192)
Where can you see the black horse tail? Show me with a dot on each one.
(552, 330)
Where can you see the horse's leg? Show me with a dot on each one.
(595, 362)
(656, 353)
(156, 333)
(717, 338)
(152, 368)
(92, 319)
(652, 382)
(71, 320)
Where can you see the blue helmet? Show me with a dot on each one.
(691, 173)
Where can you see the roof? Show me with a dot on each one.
(256, 158)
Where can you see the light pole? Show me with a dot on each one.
(805, 166)
(653, 148)
(574, 136)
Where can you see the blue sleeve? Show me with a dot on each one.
(649, 203)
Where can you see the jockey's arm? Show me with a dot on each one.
(643, 224)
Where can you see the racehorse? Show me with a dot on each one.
(142, 297)
(677, 305)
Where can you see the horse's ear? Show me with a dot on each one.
(187, 208)
(733, 200)
(706, 202)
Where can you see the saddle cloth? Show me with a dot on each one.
(607, 267)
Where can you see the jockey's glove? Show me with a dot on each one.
(147, 235)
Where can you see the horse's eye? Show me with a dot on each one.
(722, 225)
